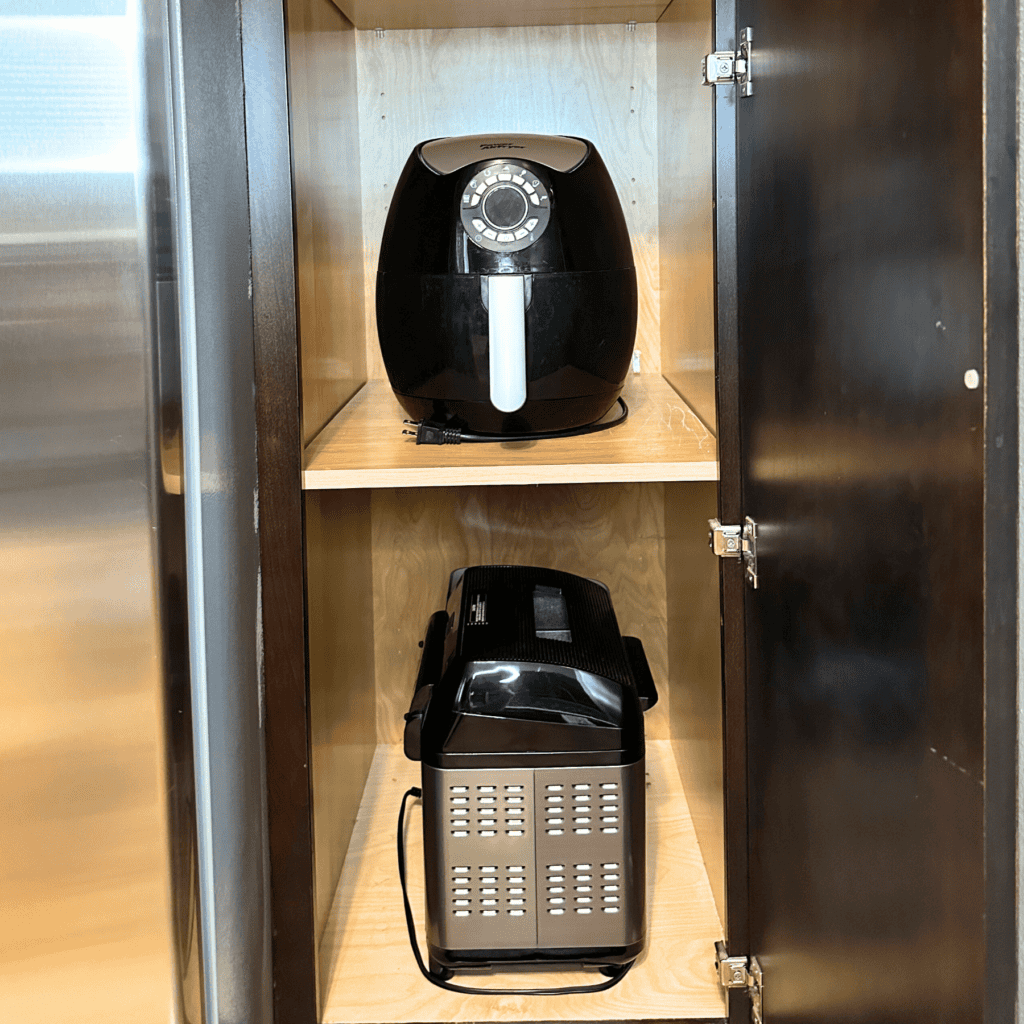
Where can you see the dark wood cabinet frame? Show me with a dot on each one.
(277, 344)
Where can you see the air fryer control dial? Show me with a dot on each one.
(505, 208)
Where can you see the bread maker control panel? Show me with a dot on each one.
(505, 207)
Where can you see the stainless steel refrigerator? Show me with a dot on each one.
(132, 835)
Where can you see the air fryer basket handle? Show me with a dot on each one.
(637, 658)
(506, 340)
(429, 673)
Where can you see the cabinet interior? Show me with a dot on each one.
(386, 522)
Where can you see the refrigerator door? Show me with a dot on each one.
(118, 554)
(98, 871)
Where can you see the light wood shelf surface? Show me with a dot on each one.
(369, 973)
(363, 446)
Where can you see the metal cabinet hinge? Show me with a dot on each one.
(725, 67)
(736, 542)
(742, 972)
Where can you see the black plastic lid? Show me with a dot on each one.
(535, 673)
(539, 693)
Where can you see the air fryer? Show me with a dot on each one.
(528, 721)
(506, 289)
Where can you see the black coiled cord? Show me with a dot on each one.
(569, 990)
(429, 432)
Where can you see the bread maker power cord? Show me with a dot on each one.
(620, 972)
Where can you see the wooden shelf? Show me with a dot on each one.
(371, 977)
(363, 446)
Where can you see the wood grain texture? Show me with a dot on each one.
(611, 532)
(685, 197)
(328, 218)
(662, 439)
(595, 81)
(696, 387)
(695, 667)
(400, 14)
(371, 973)
(279, 442)
(341, 699)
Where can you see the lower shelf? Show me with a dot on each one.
(371, 977)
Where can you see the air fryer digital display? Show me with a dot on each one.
(505, 207)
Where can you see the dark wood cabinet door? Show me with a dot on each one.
(852, 407)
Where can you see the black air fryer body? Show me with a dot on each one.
(539, 208)
(528, 720)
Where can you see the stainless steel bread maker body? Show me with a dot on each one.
(528, 721)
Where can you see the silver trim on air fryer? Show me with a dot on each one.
(559, 152)
(511, 177)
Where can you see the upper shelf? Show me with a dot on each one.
(398, 14)
(363, 446)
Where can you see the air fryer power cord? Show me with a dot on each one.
(429, 432)
(569, 990)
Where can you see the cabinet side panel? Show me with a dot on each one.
(685, 162)
(594, 81)
(341, 703)
(695, 671)
(610, 532)
(328, 221)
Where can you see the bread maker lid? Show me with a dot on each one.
(539, 693)
(559, 152)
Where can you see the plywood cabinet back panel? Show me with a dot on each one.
(328, 216)
(594, 81)
(611, 532)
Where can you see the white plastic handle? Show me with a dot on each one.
(506, 329)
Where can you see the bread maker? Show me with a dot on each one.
(528, 723)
